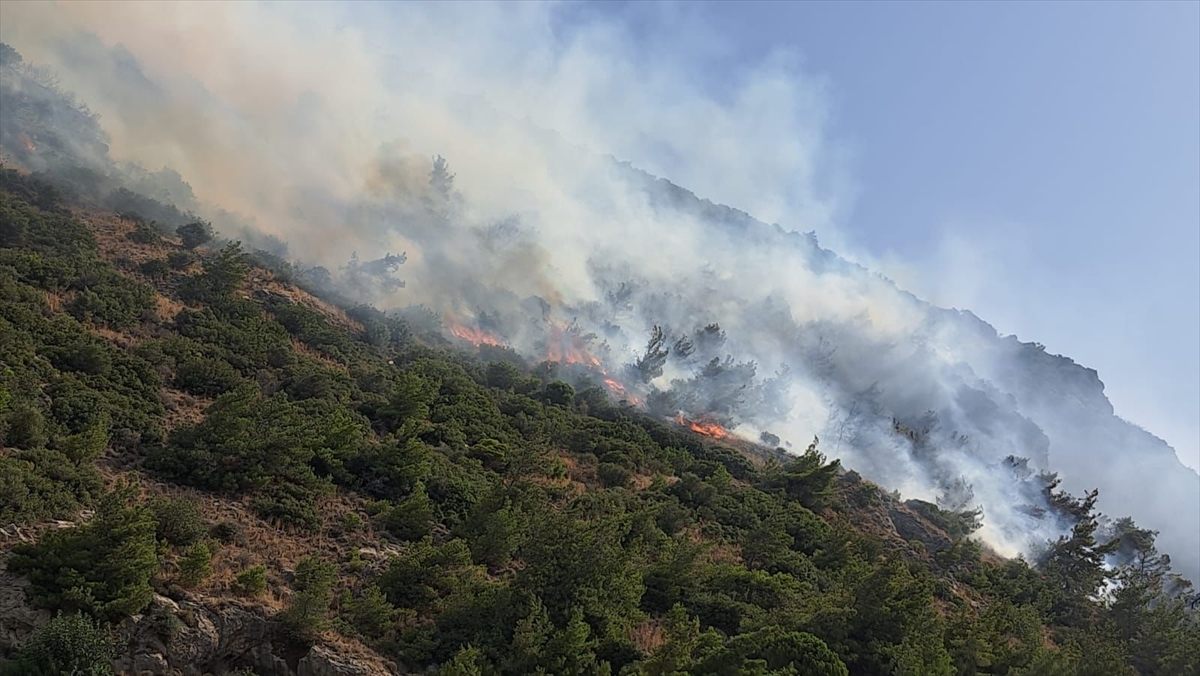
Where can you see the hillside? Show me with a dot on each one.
(558, 440)
(266, 481)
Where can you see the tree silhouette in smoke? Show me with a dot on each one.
(441, 181)
(650, 365)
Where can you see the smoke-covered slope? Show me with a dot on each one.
(689, 309)
(1011, 397)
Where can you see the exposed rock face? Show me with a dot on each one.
(18, 619)
(912, 527)
(322, 661)
(192, 638)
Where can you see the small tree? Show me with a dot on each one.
(196, 565)
(370, 612)
(180, 260)
(195, 234)
(144, 233)
(155, 268)
(86, 447)
(441, 181)
(559, 393)
(252, 581)
(69, 644)
(467, 661)
(179, 520)
(413, 517)
(102, 567)
(226, 272)
(307, 612)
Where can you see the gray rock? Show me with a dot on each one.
(911, 527)
(194, 639)
(322, 661)
(152, 664)
(18, 619)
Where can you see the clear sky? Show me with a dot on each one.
(1037, 163)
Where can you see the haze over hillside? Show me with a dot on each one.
(318, 150)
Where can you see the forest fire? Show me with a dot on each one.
(29, 145)
(476, 337)
(620, 392)
(565, 345)
(703, 426)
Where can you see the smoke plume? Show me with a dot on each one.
(311, 130)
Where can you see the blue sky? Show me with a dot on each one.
(1038, 163)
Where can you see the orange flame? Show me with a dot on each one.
(703, 426)
(29, 146)
(476, 337)
(568, 347)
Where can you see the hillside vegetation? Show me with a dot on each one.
(216, 435)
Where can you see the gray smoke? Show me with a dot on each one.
(315, 125)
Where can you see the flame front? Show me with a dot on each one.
(703, 426)
(476, 337)
(568, 347)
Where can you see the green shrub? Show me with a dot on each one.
(180, 522)
(252, 581)
(369, 612)
(102, 567)
(194, 234)
(613, 475)
(26, 428)
(207, 377)
(196, 565)
(352, 522)
(69, 644)
(413, 517)
(145, 233)
(180, 260)
(41, 484)
(155, 268)
(225, 532)
(308, 609)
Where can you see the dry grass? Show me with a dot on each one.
(648, 635)
(56, 302)
(641, 482)
(165, 307)
(112, 237)
(264, 279)
(182, 408)
(121, 339)
(307, 351)
(260, 541)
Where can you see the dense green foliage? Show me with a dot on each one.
(195, 565)
(69, 644)
(179, 521)
(102, 567)
(542, 528)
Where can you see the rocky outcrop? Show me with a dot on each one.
(191, 639)
(324, 661)
(214, 636)
(915, 529)
(18, 619)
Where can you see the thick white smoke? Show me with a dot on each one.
(315, 123)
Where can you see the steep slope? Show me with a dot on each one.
(1013, 395)
(451, 513)
(595, 262)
